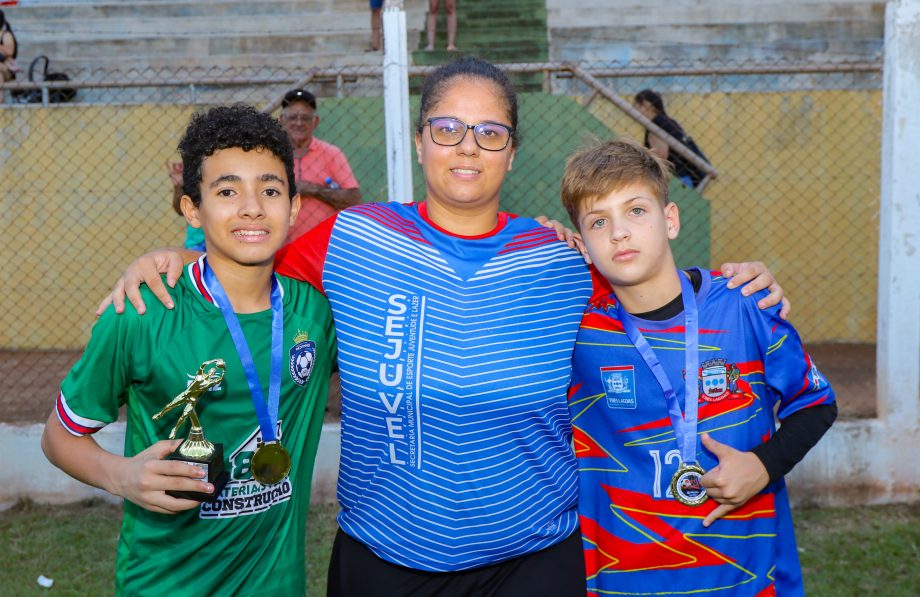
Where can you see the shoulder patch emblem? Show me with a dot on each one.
(619, 383)
(303, 357)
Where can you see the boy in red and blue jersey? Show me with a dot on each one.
(680, 475)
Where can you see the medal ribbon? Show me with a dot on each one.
(266, 413)
(684, 423)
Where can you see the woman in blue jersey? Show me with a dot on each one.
(456, 324)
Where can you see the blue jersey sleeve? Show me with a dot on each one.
(789, 372)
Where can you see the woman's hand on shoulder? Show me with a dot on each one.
(146, 269)
(565, 234)
(754, 276)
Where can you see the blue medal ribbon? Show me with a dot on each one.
(685, 423)
(267, 413)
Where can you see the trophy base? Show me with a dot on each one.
(217, 475)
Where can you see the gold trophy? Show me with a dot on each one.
(196, 449)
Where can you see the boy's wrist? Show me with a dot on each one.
(763, 453)
(113, 474)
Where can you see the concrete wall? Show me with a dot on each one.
(55, 199)
(859, 462)
(26, 473)
(811, 177)
(683, 30)
(874, 461)
(88, 188)
(852, 465)
(899, 260)
(127, 34)
(824, 478)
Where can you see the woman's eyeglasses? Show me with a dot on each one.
(490, 136)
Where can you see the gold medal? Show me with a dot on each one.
(270, 464)
(687, 484)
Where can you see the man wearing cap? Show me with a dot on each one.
(324, 178)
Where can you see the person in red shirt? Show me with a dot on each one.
(324, 178)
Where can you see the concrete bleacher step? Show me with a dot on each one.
(510, 31)
(483, 24)
(662, 31)
(122, 34)
(165, 26)
(667, 13)
(216, 9)
(193, 50)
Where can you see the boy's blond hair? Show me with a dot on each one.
(599, 170)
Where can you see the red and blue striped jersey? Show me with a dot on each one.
(639, 540)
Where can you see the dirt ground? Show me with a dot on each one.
(29, 381)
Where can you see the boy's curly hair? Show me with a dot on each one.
(226, 127)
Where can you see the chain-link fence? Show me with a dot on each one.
(795, 152)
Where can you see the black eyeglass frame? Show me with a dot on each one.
(465, 131)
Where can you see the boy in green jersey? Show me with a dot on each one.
(239, 189)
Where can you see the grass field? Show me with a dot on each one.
(852, 551)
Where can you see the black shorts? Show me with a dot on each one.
(557, 571)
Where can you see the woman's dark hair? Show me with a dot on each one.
(5, 25)
(226, 127)
(437, 82)
(647, 95)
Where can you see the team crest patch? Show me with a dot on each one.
(619, 383)
(303, 357)
(719, 380)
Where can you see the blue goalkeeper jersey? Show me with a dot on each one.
(455, 358)
(638, 539)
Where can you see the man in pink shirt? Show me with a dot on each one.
(324, 178)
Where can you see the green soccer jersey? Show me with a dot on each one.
(250, 540)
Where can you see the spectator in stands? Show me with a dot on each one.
(324, 178)
(650, 104)
(9, 49)
(450, 10)
(194, 237)
(376, 25)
